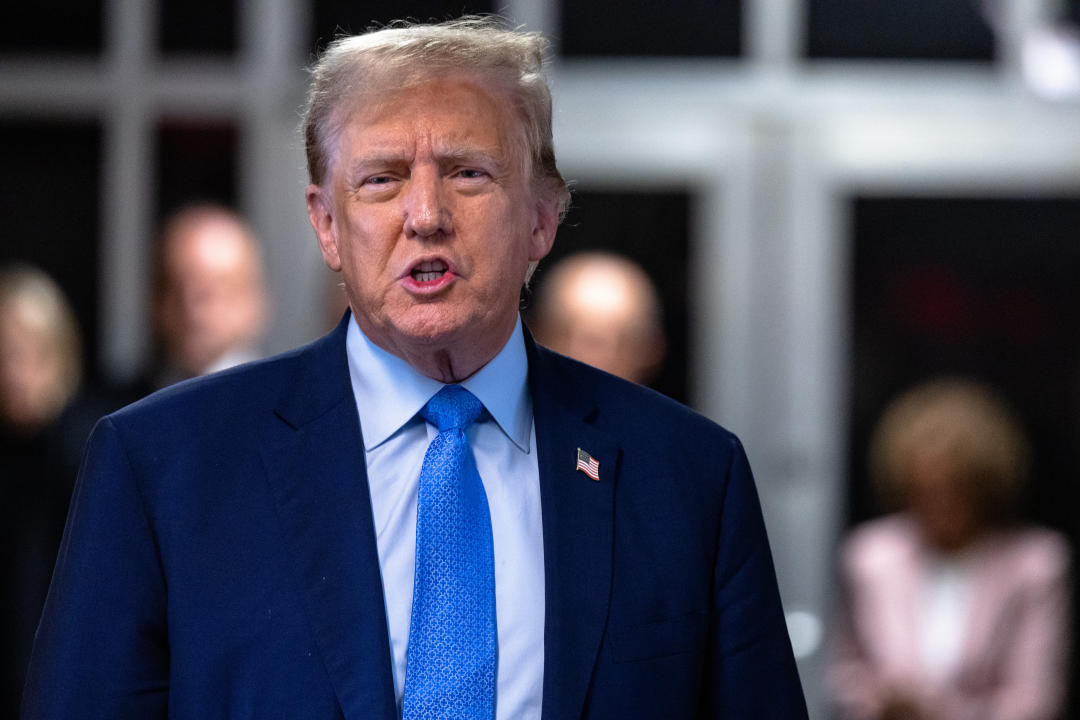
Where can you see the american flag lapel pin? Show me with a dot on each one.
(587, 464)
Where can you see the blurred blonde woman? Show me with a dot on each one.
(952, 609)
(44, 421)
(40, 350)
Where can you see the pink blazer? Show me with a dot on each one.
(1014, 656)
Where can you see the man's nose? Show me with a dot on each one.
(426, 209)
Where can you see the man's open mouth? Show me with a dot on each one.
(429, 270)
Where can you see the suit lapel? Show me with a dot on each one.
(578, 517)
(315, 467)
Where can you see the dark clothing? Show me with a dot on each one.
(37, 475)
(221, 559)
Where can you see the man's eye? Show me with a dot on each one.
(378, 180)
(471, 174)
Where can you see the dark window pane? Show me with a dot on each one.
(899, 29)
(678, 28)
(50, 192)
(334, 17)
(652, 229)
(50, 26)
(196, 161)
(984, 288)
(1071, 11)
(197, 26)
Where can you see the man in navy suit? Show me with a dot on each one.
(248, 545)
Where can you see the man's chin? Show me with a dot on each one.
(435, 336)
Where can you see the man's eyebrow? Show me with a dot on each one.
(376, 160)
(469, 156)
(474, 153)
(384, 160)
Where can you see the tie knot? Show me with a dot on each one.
(451, 408)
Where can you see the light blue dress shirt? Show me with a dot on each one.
(389, 394)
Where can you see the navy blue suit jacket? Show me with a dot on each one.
(219, 559)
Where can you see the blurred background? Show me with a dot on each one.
(834, 198)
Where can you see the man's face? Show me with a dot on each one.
(428, 212)
(213, 301)
(599, 310)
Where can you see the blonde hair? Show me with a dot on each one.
(404, 53)
(37, 300)
(962, 420)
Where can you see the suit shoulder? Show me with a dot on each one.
(219, 396)
(629, 409)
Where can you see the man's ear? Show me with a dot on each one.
(545, 223)
(320, 207)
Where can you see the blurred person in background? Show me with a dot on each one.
(952, 609)
(602, 309)
(210, 299)
(44, 423)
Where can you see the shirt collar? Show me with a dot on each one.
(389, 392)
(502, 386)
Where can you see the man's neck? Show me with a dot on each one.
(451, 361)
(444, 366)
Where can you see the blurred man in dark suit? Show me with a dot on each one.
(210, 301)
(602, 309)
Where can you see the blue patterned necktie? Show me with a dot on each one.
(450, 666)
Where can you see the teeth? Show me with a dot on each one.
(429, 270)
(432, 266)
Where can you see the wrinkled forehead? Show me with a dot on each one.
(377, 88)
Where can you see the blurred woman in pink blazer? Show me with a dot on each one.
(951, 610)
